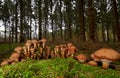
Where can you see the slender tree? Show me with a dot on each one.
(81, 23)
(68, 20)
(52, 19)
(91, 20)
(30, 18)
(40, 20)
(116, 19)
(6, 17)
(61, 19)
(16, 21)
(22, 37)
(46, 11)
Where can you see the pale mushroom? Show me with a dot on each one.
(32, 50)
(52, 54)
(81, 57)
(72, 51)
(106, 56)
(69, 44)
(18, 49)
(56, 50)
(25, 50)
(28, 45)
(34, 41)
(22, 60)
(28, 41)
(15, 56)
(63, 51)
(5, 62)
(13, 63)
(41, 50)
(92, 63)
(43, 42)
(48, 51)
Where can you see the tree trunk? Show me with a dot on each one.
(114, 35)
(68, 19)
(116, 18)
(22, 38)
(81, 23)
(5, 31)
(45, 17)
(52, 20)
(30, 20)
(12, 31)
(103, 31)
(40, 20)
(53, 33)
(61, 21)
(91, 20)
(108, 35)
(16, 21)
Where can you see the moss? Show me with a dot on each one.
(53, 68)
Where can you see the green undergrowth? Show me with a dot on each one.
(6, 49)
(55, 68)
(9, 46)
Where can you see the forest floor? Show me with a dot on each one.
(86, 48)
(60, 69)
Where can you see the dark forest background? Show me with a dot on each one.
(60, 20)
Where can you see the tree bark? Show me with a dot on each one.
(30, 20)
(22, 38)
(116, 19)
(5, 31)
(68, 19)
(40, 20)
(16, 21)
(81, 23)
(91, 20)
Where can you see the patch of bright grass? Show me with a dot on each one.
(56, 68)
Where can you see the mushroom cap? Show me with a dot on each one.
(48, 47)
(95, 58)
(13, 62)
(61, 45)
(19, 48)
(34, 41)
(4, 62)
(57, 46)
(43, 40)
(28, 44)
(29, 41)
(106, 53)
(32, 49)
(15, 55)
(69, 44)
(63, 50)
(73, 48)
(9, 60)
(81, 57)
(92, 63)
(24, 47)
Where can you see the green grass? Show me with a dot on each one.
(55, 68)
